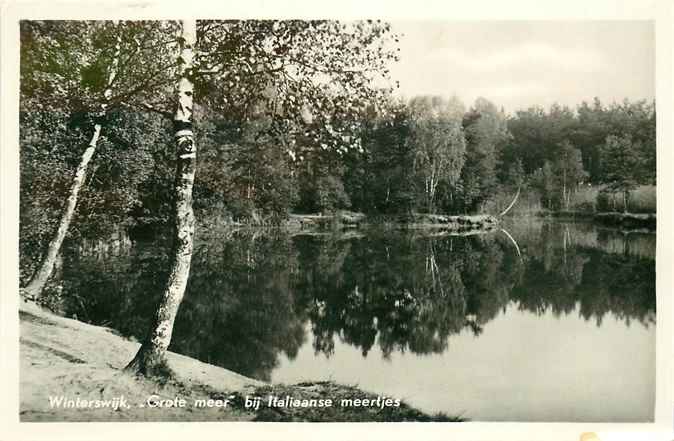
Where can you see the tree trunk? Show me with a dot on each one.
(564, 198)
(151, 357)
(512, 204)
(36, 284)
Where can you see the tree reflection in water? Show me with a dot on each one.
(252, 294)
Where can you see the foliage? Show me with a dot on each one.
(321, 72)
(543, 180)
(439, 144)
(486, 131)
(622, 164)
(381, 179)
(537, 133)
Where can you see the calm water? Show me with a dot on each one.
(463, 325)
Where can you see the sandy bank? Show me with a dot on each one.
(70, 361)
(61, 357)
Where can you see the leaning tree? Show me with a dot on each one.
(86, 69)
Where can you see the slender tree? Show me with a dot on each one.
(570, 172)
(87, 71)
(36, 284)
(151, 357)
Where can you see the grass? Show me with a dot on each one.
(643, 199)
(586, 200)
(528, 204)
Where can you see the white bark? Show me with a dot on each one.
(513, 241)
(564, 195)
(36, 284)
(504, 212)
(151, 358)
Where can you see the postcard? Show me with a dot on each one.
(283, 216)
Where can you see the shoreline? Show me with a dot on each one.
(355, 224)
(460, 225)
(627, 221)
(65, 360)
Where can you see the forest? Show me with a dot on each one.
(161, 129)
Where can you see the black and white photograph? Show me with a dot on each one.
(337, 220)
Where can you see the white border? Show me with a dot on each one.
(660, 10)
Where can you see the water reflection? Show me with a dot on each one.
(257, 297)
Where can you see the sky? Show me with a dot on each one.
(518, 64)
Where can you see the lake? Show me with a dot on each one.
(557, 324)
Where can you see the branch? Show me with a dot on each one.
(149, 107)
(145, 85)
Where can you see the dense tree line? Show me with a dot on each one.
(562, 147)
(551, 151)
(427, 154)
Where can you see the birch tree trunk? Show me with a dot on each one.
(564, 197)
(37, 283)
(151, 357)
